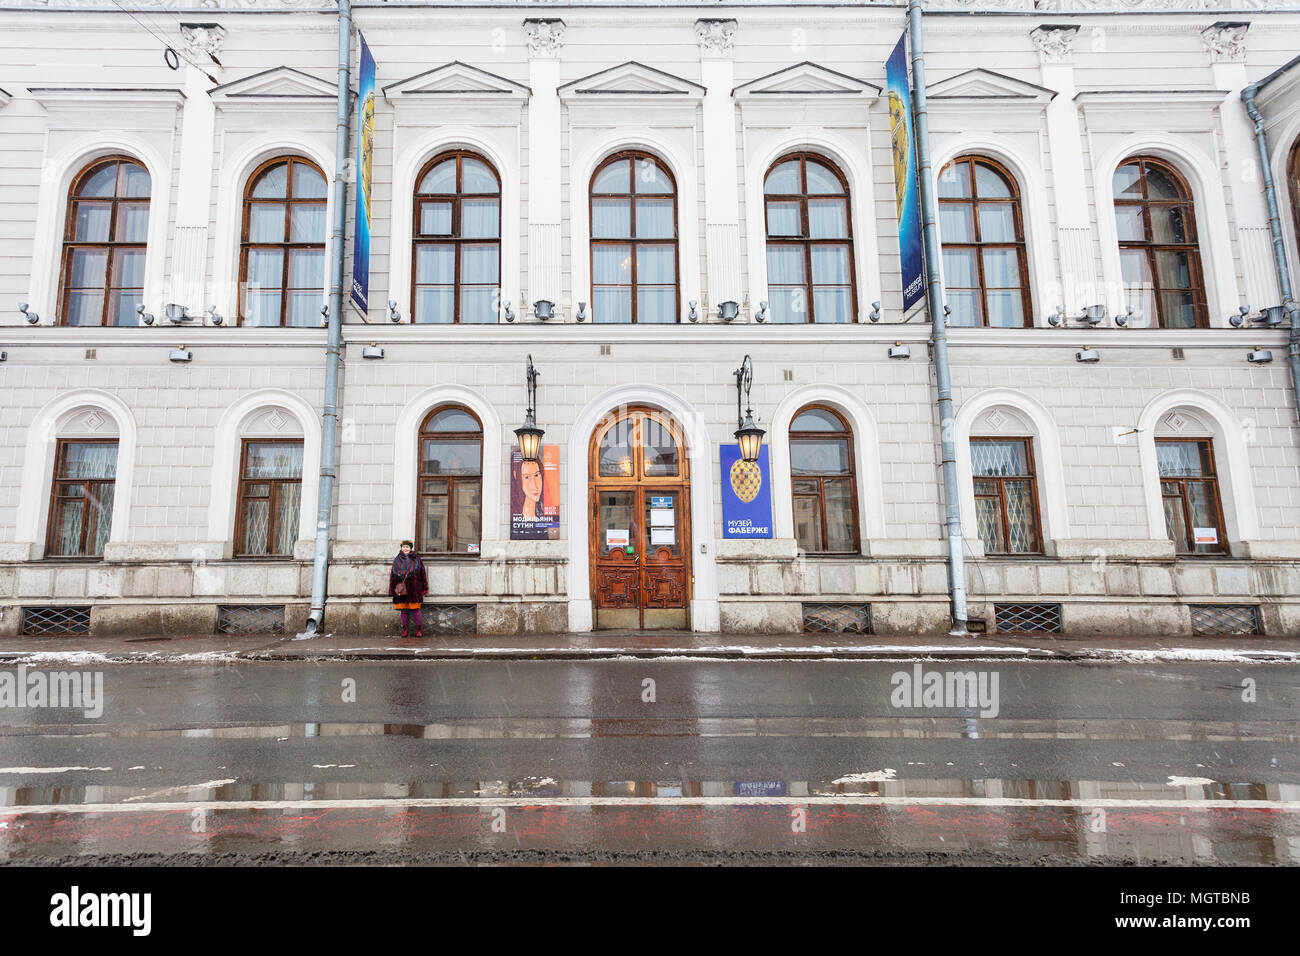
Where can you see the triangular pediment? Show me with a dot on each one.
(278, 83)
(987, 85)
(456, 79)
(807, 79)
(632, 78)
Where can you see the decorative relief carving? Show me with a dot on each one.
(545, 37)
(203, 39)
(1055, 43)
(1225, 42)
(717, 37)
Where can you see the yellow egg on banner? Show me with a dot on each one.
(746, 480)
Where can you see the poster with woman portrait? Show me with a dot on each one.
(535, 496)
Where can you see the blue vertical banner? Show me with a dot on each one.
(906, 195)
(365, 166)
(746, 494)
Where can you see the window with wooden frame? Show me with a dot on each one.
(81, 498)
(450, 518)
(1006, 495)
(634, 241)
(270, 489)
(810, 275)
(282, 248)
(104, 240)
(985, 269)
(1159, 255)
(456, 271)
(823, 482)
(1189, 490)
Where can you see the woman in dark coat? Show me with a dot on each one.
(408, 570)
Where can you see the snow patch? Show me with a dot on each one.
(327, 766)
(26, 770)
(1188, 782)
(874, 776)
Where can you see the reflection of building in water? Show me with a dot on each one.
(618, 191)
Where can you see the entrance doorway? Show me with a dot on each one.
(639, 494)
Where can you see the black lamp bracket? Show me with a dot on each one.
(744, 379)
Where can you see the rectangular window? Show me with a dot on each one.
(81, 499)
(270, 484)
(1006, 495)
(1189, 489)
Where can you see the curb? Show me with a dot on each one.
(709, 653)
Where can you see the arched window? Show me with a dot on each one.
(823, 482)
(451, 482)
(282, 250)
(633, 240)
(809, 241)
(457, 254)
(1158, 252)
(1293, 185)
(104, 243)
(984, 266)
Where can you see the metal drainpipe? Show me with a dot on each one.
(1279, 250)
(939, 325)
(329, 418)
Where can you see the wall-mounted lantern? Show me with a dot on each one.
(529, 435)
(748, 435)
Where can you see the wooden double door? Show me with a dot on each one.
(640, 535)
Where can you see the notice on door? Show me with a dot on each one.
(1205, 535)
(665, 537)
(662, 518)
(617, 538)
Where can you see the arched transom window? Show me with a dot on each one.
(823, 482)
(104, 244)
(282, 252)
(809, 241)
(1158, 251)
(450, 518)
(457, 240)
(984, 268)
(633, 240)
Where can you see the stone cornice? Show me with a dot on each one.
(1038, 7)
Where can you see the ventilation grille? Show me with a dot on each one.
(837, 618)
(56, 620)
(250, 619)
(1028, 618)
(451, 618)
(1225, 619)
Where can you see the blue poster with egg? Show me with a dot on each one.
(746, 494)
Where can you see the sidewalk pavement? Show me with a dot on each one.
(598, 645)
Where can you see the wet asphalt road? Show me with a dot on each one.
(658, 761)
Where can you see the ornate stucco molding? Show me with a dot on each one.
(203, 39)
(545, 37)
(716, 37)
(1055, 43)
(1225, 42)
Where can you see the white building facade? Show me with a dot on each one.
(598, 187)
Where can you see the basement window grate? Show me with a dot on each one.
(837, 618)
(1028, 618)
(1213, 619)
(250, 619)
(56, 620)
(450, 618)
